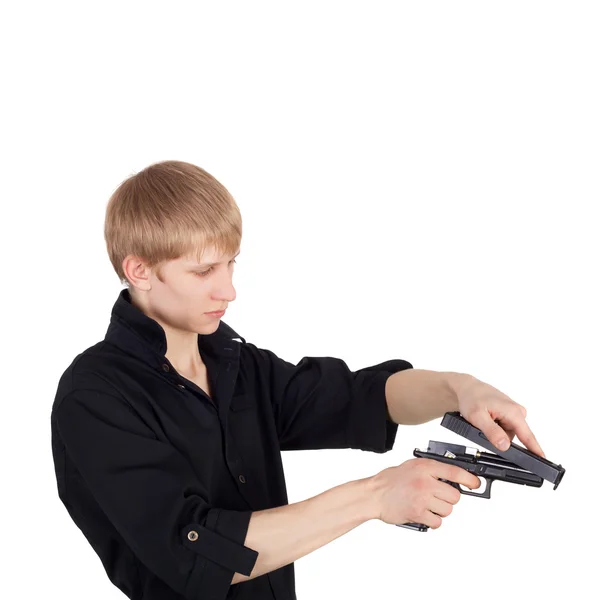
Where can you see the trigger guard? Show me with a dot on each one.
(485, 494)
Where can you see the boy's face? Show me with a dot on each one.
(190, 291)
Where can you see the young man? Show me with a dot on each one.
(167, 434)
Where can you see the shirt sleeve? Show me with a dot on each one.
(320, 403)
(151, 495)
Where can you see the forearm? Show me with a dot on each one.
(284, 534)
(416, 396)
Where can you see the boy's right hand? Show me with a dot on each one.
(413, 493)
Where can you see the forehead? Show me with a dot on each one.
(210, 256)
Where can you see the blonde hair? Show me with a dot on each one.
(168, 210)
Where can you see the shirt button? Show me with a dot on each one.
(242, 479)
(192, 536)
(165, 367)
(181, 386)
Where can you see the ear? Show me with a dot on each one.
(137, 272)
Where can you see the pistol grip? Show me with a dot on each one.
(485, 494)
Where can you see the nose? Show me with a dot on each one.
(224, 290)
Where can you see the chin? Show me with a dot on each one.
(213, 326)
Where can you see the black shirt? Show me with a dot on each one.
(162, 480)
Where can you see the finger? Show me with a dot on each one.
(444, 491)
(510, 432)
(493, 432)
(439, 507)
(458, 475)
(526, 436)
(430, 519)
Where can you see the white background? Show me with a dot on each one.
(417, 180)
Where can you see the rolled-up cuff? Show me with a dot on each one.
(221, 553)
(370, 428)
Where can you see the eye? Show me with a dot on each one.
(205, 273)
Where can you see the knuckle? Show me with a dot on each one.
(422, 463)
(422, 501)
(415, 516)
(421, 486)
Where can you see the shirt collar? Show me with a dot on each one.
(137, 333)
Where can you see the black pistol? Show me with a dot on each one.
(515, 465)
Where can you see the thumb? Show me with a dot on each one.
(492, 431)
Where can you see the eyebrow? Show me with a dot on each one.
(196, 266)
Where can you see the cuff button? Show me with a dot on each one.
(192, 536)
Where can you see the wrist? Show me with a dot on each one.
(455, 383)
(372, 491)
